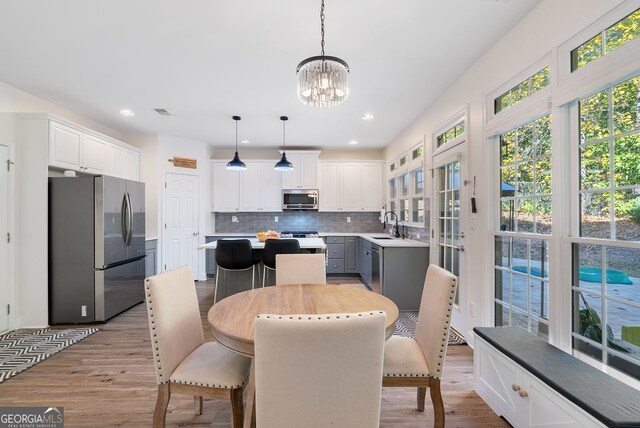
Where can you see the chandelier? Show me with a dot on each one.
(322, 80)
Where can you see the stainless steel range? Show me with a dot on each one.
(299, 234)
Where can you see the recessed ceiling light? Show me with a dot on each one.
(353, 142)
(126, 112)
(367, 116)
(245, 141)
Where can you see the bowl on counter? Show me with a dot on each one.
(270, 234)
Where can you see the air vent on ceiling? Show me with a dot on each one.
(163, 111)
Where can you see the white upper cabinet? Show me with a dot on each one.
(225, 187)
(351, 186)
(372, 186)
(71, 149)
(77, 149)
(305, 170)
(259, 188)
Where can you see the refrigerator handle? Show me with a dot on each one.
(129, 220)
(124, 219)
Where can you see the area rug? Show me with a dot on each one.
(406, 326)
(26, 347)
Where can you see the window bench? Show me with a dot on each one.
(532, 383)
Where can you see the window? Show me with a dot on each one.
(528, 87)
(417, 200)
(393, 166)
(521, 246)
(525, 177)
(607, 41)
(417, 153)
(606, 275)
(450, 134)
(404, 160)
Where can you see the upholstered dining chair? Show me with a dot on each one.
(419, 362)
(301, 269)
(234, 255)
(273, 247)
(184, 363)
(319, 370)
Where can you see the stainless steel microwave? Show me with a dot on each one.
(300, 199)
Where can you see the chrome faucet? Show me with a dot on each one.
(396, 229)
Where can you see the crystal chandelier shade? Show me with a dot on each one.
(322, 80)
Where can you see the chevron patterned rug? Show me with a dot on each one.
(24, 348)
(406, 326)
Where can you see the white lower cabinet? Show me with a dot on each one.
(518, 396)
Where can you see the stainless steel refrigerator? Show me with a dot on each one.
(96, 247)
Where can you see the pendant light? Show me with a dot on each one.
(283, 164)
(236, 164)
(322, 80)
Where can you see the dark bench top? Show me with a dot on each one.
(607, 399)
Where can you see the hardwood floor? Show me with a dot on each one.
(108, 379)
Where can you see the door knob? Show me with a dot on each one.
(196, 233)
(461, 248)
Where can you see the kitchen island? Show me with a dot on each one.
(305, 243)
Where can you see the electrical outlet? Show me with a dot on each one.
(348, 219)
(84, 311)
(275, 219)
(417, 236)
(234, 219)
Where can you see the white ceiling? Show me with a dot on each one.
(206, 60)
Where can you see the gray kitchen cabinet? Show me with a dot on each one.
(151, 252)
(402, 273)
(342, 254)
(365, 261)
(335, 254)
(352, 254)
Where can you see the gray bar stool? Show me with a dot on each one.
(234, 255)
(273, 247)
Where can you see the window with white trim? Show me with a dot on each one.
(522, 90)
(407, 187)
(607, 41)
(521, 294)
(606, 253)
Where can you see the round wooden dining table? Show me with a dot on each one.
(231, 319)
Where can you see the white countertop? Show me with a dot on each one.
(371, 237)
(305, 243)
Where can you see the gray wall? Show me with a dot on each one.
(368, 222)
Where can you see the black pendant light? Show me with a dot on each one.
(236, 164)
(283, 164)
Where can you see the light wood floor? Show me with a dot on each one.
(108, 379)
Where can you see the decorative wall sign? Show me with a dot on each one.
(184, 162)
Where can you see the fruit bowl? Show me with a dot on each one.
(269, 234)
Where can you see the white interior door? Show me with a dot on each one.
(5, 284)
(450, 219)
(180, 233)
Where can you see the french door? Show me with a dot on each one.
(450, 219)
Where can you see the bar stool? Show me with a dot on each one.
(234, 255)
(273, 247)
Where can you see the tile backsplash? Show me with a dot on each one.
(323, 222)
